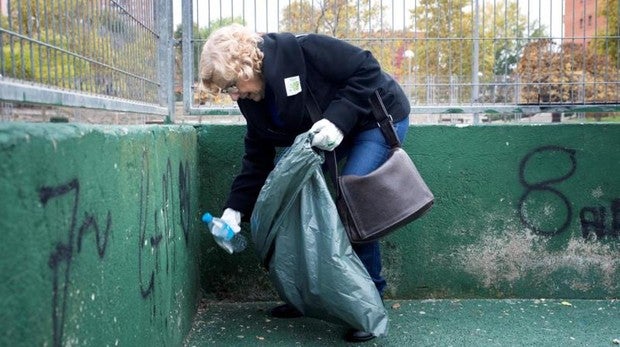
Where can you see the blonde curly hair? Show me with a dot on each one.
(231, 53)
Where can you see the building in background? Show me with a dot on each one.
(582, 20)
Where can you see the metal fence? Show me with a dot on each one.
(100, 54)
(487, 58)
(491, 57)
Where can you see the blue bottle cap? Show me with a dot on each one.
(207, 217)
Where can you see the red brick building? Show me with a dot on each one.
(583, 19)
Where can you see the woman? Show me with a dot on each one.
(272, 77)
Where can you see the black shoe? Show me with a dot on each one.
(285, 311)
(358, 336)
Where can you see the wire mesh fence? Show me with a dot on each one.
(100, 54)
(491, 57)
(451, 56)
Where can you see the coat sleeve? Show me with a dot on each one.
(355, 71)
(257, 163)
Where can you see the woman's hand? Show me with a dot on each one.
(232, 218)
(326, 136)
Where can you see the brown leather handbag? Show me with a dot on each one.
(373, 205)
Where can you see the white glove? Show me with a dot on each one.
(232, 218)
(327, 136)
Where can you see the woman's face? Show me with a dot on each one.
(250, 89)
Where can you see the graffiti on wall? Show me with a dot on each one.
(524, 257)
(595, 221)
(62, 256)
(156, 226)
(156, 233)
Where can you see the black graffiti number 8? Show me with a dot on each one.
(546, 186)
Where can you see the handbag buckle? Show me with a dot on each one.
(389, 118)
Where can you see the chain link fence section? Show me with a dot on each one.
(492, 57)
(112, 55)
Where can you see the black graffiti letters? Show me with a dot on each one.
(184, 199)
(594, 221)
(545, 186)
(64, 251)
(157, 233)
(157, 220)
(146, 288)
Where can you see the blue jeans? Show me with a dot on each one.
(366, 152)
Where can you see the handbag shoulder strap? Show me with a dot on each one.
(313, 107)
(384, 119)
(332, 163)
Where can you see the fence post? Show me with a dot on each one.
(165, 56)
(187, 47)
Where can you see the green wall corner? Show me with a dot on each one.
(99, 242)
(525, 211)
(102, 244)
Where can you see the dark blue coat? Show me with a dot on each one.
(341, 77)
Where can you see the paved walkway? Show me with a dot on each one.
(422, 323)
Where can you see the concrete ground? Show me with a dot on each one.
(422, 323)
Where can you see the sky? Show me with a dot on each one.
(255, 12)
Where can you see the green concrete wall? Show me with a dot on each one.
(98, 234)
(102, 244)
(527, 211)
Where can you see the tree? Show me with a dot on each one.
(301, 17)
(31, 61)
(445, 53)
(85, 47)
(445, 49)
(199, 37)
(568, 75)
(610, 34)
(338, 18)
(572, 73)
(358, 22)
(505, 32)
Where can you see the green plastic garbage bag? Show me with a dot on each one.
(299, 237)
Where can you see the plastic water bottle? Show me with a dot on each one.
(223, 234)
